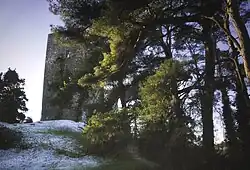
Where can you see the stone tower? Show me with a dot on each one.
(58, 60)
(61, 60)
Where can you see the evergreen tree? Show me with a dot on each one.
(133, 39)
(12, 97)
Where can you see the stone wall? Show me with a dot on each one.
(59, 60)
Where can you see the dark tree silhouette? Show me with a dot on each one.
(12, 97)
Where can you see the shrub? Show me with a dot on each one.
(108, 132)
(9, 138)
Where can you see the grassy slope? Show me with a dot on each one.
(123, 162)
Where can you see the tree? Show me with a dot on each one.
(134, 39)
(12, 97)
(159, 119)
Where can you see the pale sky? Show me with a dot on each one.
(24, 26)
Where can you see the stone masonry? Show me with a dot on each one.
(58, 60)
(61, 60)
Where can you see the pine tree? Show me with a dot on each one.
(12, 97)
(134, 39)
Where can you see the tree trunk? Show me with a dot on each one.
(242, 99)
(228, 120)
(208, 96)
(176, 104)
(227, 113)
(166, 46)
(242, 118)
(240, 28)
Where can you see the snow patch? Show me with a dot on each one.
(41, 155)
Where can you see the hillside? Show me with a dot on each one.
(43, 148)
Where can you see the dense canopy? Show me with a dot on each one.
(189, 61)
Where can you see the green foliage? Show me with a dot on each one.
(80, 141)
(64, 95)
(158, 120)
(125, 164)
(12, 97)
(133, 38)
(108, 132)
(156, 94)
(64, 132)
(115, 36)
(70, 154)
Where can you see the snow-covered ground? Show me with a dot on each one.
(41, 155)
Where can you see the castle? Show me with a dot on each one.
(59, 61)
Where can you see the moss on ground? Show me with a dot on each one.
(119, 161)
(64, 132)
(122, 164)
(70, 153)
(77, 136)
(122, 161)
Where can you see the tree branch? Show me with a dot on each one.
(225, 31)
